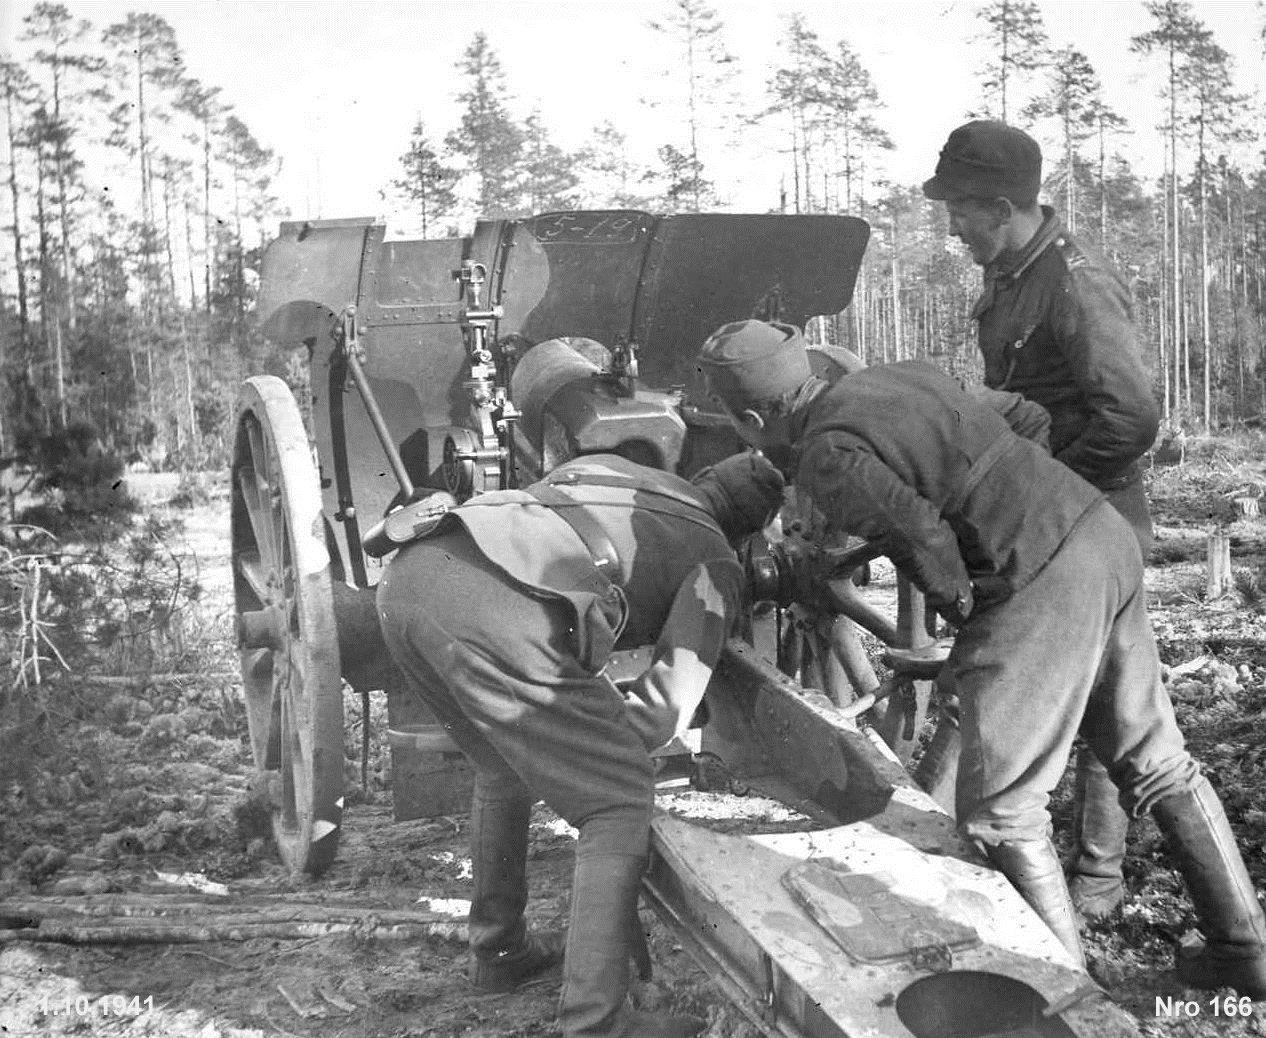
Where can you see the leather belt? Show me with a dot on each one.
(978, 470)
(606, 560)
(590, 532)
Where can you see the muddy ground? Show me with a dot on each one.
(125, 788)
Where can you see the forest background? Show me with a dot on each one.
(137, 201)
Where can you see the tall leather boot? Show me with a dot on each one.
(1100, 825)
(600, 943)
(1034, 870)
(937, 773)
(504, 954)
(1203, 846)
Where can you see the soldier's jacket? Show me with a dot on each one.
(674, 580)
(1056, 326)
(965, 508)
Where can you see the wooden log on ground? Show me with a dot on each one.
(118, 919)
(163, 932)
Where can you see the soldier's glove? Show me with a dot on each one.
(743, 491)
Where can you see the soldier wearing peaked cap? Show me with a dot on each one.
(502, 618)
(1055, 325)
(1002, 538)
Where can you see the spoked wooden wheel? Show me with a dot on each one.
(285, 625)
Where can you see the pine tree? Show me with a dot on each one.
(249, 165)
(426, 181)
(549, 173)
(1177, 33)
(488, 141)
(62, 55)
(1105, 121)
(682, 182)
(1213, 110)
(696, 32)
(202, 104)
(18, 91)
(793, 91)
(849, 102)
(147, 59)
(607, 174)
(1016, 38)
(1073, 91)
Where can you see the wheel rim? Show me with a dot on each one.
(287, 638)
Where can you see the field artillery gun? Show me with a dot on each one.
(461, 365)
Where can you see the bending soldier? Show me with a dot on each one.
(1002, 538)
(503, 619)
(1055, 325)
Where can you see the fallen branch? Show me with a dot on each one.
(140, 680)
(55, 931)
(121, 910)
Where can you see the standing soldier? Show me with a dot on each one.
(1056, 327)
(1045, 584)
(502, 617)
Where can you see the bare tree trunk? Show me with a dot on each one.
(795, 157)
(171, 259)
(694, 118)
(191, 457)
(860, 327)
(208, 249)
(898, 336)
(50, 319)
(1103, 188)
(60, 359)
(19, 258)
(1070, 190)
(1204, 290)
(1186, 353)
(1162, 314)
(1176, 268)
(59, 166)
(193, 281)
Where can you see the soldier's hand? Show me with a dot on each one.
(957, 612)
(659, 703)
(649, 712)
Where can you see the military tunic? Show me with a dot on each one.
(502, 623)
(1041, 574)
(1056, 326)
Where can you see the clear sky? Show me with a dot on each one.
(335, 87)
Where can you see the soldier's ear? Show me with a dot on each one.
(753, 419)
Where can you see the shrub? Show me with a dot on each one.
(82, 482)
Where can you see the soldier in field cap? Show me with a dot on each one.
(1045, 582)
(1055, 325)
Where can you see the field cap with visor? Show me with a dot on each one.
(987, 159)
(751, 362)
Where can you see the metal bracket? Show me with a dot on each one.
(353, 353)
(493, 414)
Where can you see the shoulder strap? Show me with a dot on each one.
(590, 532)
(669, 500)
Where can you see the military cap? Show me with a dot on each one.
(988, 159)
(743, 492)
(751, 362)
